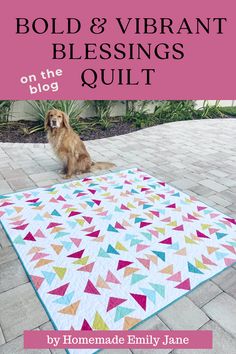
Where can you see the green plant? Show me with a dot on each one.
(169, 111)
(69, 107)
(229, 111)
(102, 109)
(5, 108)
(210, 111)
(137, 112)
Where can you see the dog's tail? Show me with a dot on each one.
(96, 166)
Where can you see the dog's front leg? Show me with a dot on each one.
(64, 169)
(69, 167)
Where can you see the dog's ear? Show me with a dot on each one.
(66, 120)
(46, 121)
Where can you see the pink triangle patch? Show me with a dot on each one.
(76, 241)
(200, 208)
(29, 237)
(207, 261)
(201, 235)
(144, 224)
(39, 255)
(39, 234)
(175, 277)
(179, 228)
(123, 264)
(86, 326)
(59, 291)
(37, 281)
(87, 268)
(94, 233)
(185, 285)
(114, 302)
(90, 289)
(140, 299)
(167, 241)
(88, 219)
(53, 224)
(111, 278)
(229, 261)
(144, 262)
(78, 254)
(141, 247)
(119, 226)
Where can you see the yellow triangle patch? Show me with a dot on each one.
(99, 323)
(82, 261)
(120, 247)
(60, 272)
(200, 265)
(80, 222)
(173, 223)
(205, 226)
(189, 240)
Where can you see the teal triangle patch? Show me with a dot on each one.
(118, 210)
(103, 253)
(72, 224)
(147, 235)
(66, 299)
(220, 235)
(160, 255)
(136, 278)
(135, 242)
(151, 294)
(19, 240)
(60, 234)
(220, 255)
(193, 269)
(55, 213)
(121, 312)
(112, 250)
(49, 276)
(175, 246)
(160, 289)
(38, 217)
(111, 228)
(129, 237)
(67, 245)
(137, 220)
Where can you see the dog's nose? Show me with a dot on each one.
(54, 122)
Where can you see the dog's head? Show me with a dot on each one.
(56, 119)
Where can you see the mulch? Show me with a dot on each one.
(15, 132)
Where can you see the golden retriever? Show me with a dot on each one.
(68, 146)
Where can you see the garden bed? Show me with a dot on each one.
(15, 132)
(103, 125)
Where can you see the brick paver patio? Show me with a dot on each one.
(197, 157)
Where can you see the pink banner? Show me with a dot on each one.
(118, 339)
(118, 50)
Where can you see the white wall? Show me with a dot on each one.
(21, 110)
